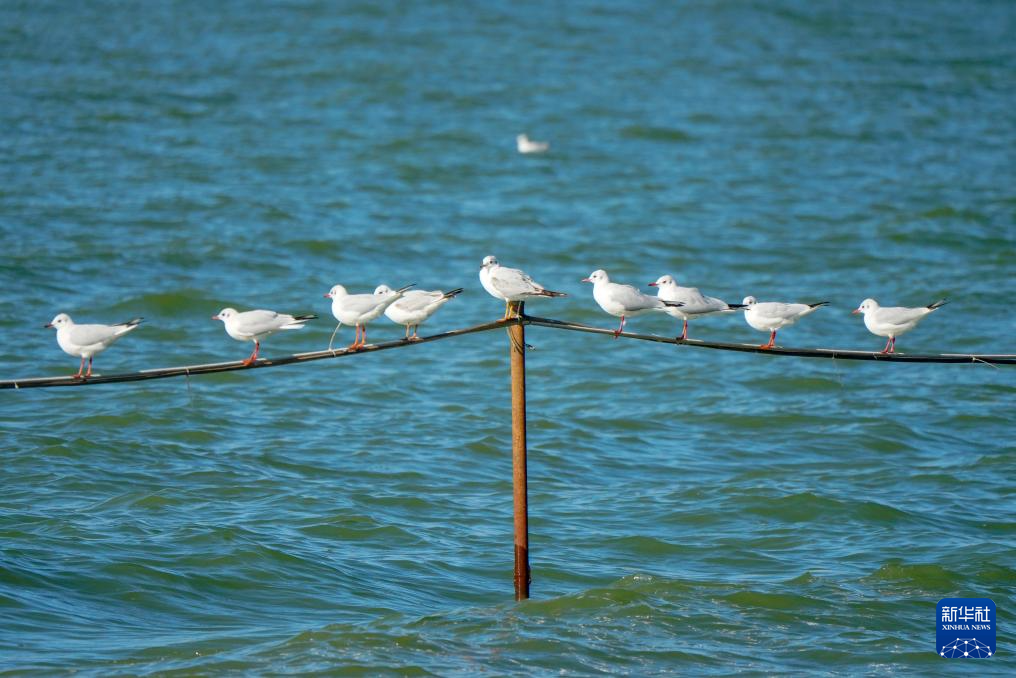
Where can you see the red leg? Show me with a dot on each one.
(416, 336)
(356, 341)
(253, 356)
(81, 369)
(619, 330)
(772, 340)
(684, 332)
(89, 372)
(892, 344)
(888, 346)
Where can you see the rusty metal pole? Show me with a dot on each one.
(517, 350)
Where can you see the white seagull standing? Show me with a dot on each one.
(511, 284)
(527, 145)
(258, 324)
(696, 304)
(360, 309)
(415, 307)
(624, 300)
(893, 321)
(773, 315)
(87, 341)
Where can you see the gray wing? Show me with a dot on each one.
(633, 299)
(87, 335)
(697, 303)
(261, 321)
(361, 303)
(900, 315)
(512, 281)
(417, 300)
(777, 310)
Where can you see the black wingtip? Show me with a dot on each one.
(937, 304)
(308, 316)
(737, 305)
(821, 303)
(674, 304)
(133, 322)
(452, 293)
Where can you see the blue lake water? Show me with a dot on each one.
(692, 512)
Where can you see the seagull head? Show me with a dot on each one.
(866, 305)
(522, 138)
(597, 276)
(489, 261)
(225, 314)
(61, 320)
(336, 291)
(749, 301)
(663, 281)
(382, 291)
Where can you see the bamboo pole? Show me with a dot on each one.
(209, 368)
(520, 482)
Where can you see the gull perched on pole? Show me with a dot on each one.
(88, 341)
(511, 284)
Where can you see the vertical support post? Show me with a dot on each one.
(517, 350)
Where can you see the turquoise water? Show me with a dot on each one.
(691, 512)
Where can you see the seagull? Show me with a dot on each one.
(526, 145)
(773, 315)
(87, 341)
(511, 284)
(256, 325)
(893, 321)
(360, 309)
(415, 307)
(624, 300)
(696, 304)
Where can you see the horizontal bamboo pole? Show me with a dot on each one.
(210, 368)
(236, 365)
(835, 353)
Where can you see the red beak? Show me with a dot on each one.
(586, 280)
(652, 284)
(215, 317)
(328, 296)
(48, 325)
(855, 311)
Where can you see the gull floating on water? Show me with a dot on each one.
(87, 341)
(415, 307)
(696, 304)
(511, 284)
(893, 321)
(526, 145)
(624, 300)
(360, 309)
(773, 315)
(258, 324)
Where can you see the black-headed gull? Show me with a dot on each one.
(511, 284)
(624, 301)
(87, 341)
(415, 307)
(360, 309)
(769, 316)
(893, 321)
(696, 304)
(527, 145)
(258, 324)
